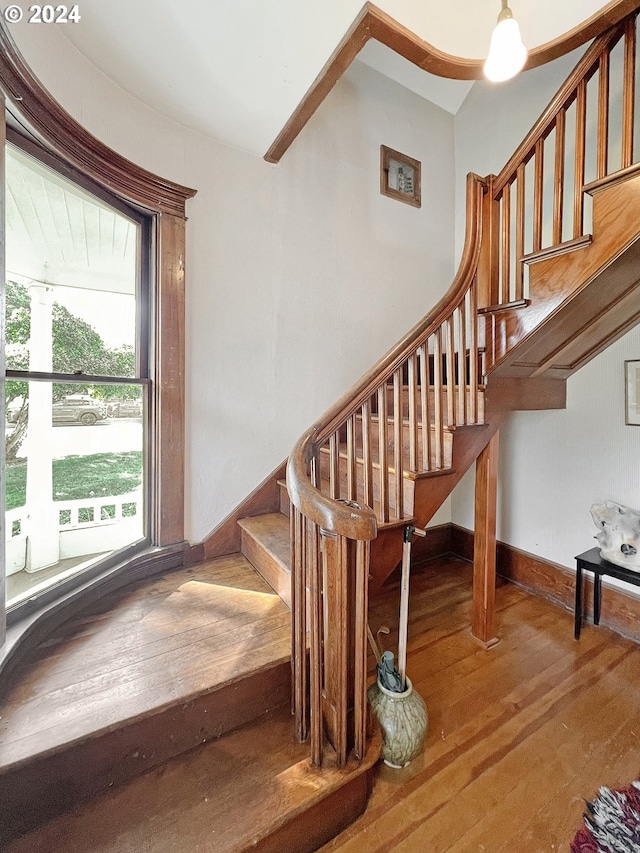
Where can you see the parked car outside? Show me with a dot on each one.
(78, 408)
(124, 409)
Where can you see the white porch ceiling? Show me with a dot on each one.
(57, 233)
(237, 69)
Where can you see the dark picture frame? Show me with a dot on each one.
(400, 176)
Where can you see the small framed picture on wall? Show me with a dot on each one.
(399, 176)
(632, 392)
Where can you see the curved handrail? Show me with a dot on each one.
(351, 520)
(342, 517)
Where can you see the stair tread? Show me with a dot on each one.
(60, 697)
(271, 530)
(228, 795)
(144, 674)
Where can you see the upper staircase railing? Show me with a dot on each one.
(347, 475)
(539, 201)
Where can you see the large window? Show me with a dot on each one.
(77, 387)
(95, 383)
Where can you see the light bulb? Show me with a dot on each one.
(507, 53)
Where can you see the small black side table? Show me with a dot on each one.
(591, 561)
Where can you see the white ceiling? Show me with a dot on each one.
(58, 233)
(237, 69)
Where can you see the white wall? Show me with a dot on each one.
(299, 276)
(555, 464)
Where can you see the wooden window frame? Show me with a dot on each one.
(33, 113)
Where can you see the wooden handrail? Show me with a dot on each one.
(565, 94)
(537, 179)
(351, 471)
(344, 518)
(358, 522)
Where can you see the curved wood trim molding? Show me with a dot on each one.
(35, 114)
(373, 23)
(41, 115)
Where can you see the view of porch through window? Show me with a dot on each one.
(75, 446)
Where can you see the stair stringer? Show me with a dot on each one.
(429, 495)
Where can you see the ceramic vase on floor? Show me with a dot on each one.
(403, 719)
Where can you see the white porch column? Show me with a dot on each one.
(43, 548)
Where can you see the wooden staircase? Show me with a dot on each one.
(529, 306)
(534, 299)
(168, 706)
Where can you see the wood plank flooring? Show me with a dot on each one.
(181, 635)
(519, 736)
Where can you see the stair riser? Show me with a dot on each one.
(459, 414)
(446, 440)
(408, 485)
(38, 790)
(407, 491)
(269, 567)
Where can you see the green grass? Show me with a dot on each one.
(80, 477)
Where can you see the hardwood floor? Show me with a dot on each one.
(518, 737)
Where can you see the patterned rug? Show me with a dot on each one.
(611, 823)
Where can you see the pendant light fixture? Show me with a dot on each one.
(507, 53)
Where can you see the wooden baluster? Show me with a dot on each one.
(628, 96)
(558, 178)
(382, 453)
(505, 279)
(398, 455)
(360, 669)
(520, 202)
(367, 466)
(451, 371)
(315, 641)
(538, 191)
(298, 627)
(425, 407)
(437, 397)
(334, 466)
(340, 622)
(603, 117)
(473, 353)
(581, 143)
(352, 472)
(462, 362)
(413, 412)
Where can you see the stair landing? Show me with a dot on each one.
(251, 790)
(150, 672)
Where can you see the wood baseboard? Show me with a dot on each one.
(620, 610)
(436, 543)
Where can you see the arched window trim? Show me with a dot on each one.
(33, 113)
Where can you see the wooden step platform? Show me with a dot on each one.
(156, 670)
(251, 790)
